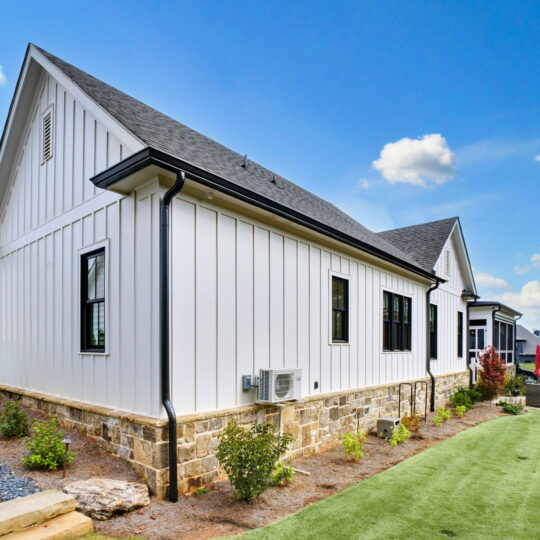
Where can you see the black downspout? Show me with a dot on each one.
(467, 352)
(493, 326)
(515, 355)
(428, 346)
(164, 331)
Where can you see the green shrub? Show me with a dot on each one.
(461, 397)
(510, 408)
(399, 435)
(46, 449)
(13, 421)
(475, 394)
(282, 474)
(443, 414)
(514, 385)
(461, 410)
(353, 443)
(249, 457)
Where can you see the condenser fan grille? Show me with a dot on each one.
(283, 384)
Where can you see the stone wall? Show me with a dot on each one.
(316, 423)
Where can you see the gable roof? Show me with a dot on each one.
(423, 242)
(164, 134)
(530, 339)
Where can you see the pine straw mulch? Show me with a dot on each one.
(218, 513)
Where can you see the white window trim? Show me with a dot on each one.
(49, 109)
(82, 251)
(331, 274)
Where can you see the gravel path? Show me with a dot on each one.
(12, 486)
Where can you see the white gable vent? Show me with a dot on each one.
(447, 262)
(47, 135)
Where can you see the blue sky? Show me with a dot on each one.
(315, 90)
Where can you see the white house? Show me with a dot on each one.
(148, 274)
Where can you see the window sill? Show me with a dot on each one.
(340, 343)
(397, 351)
(96, 353)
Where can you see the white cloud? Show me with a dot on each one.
(417, 161)
(487, 281)
(537, 157)
(364, 183)
(2, 76)
(534, 262)
(527, 301)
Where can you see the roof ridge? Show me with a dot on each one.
(454, 218)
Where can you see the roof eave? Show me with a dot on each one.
(149, 156)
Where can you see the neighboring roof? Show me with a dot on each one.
(531, 340)
(491, 303)
(165, 134)
(423, 242)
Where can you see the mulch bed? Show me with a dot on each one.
(218, 513)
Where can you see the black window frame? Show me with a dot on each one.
(86, 302)
(460, 334)
(397, 335)
(433, 331)
(344, 337)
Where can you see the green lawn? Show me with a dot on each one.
(528, 366)
(480, 484)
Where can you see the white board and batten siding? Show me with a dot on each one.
(247, 296)
(51, 212)
(448, 300)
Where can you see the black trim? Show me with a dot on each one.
(85, 302)
(404, 328)
(164, 332)
(345, 310)
(150, 156)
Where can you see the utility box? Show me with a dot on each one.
(386, 426)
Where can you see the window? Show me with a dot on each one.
(460, 334)
(503, 340)
(340, 310)
(47, 135)
(93, 301)
(396, 322)
(433, 331)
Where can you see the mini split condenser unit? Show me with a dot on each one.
(276, 385)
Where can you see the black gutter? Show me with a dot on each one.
(150, 156)
(164, 331)
(428, 344)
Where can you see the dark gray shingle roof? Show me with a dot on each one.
(423, 243)
(159, 131)
(529, 339)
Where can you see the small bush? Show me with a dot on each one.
(13, 421)
(514, 385)
(46, 449)
(399, 436)
(443, 414)
(510, 408)
(249, 457)
(411, 422)
(475, 394)
(493, 371)
(461, 410)
(282, 474)
(353, 445)
(461, 397)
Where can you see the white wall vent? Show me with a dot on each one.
(447, 262)
(47, 135)
(276, 385)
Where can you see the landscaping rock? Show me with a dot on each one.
(102, 498)
(12, 487)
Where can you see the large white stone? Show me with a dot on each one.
(101, 498)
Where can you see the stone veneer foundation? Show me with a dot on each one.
(316, 423)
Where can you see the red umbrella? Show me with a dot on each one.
(537, 361)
